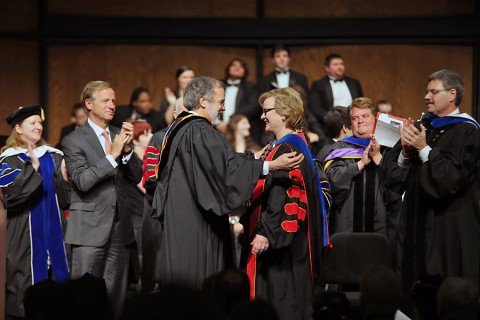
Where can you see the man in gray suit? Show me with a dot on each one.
(99, 161)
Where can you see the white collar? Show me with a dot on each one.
(98, 130)
(39, 152)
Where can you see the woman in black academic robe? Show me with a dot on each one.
(37, 190)
(286, 228)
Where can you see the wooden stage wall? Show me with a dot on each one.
(394, 72)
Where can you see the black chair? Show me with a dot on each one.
(351, 254)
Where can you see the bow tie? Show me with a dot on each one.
(280, 72)
(235, 83)
(337, 80)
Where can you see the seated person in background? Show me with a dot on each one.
(337, 127)
(360, 201)
(380, 293)
(183, 76)
(457, 299)
(238, 133)
(332, 305)
(140, 108)
(78, 117)
(384, 106)
(241, 97)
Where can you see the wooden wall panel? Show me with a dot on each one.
(18, 15)
(366, 9)
(127, 67)
(394, 72)
(156, 8)
(19, 77)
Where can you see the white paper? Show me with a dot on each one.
(387, 130)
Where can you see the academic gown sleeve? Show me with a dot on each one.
(221, 180)
(281, 211)
(341, 173)
(392, 175)
(450, 170)
(62, 187)
(26, 183)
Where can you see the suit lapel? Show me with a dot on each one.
(238, 99)
(93, 140)
(351, 88)
(328, 92)
(272, 79)
(292, 78)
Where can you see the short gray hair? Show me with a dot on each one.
(450, 80)
(198, 88)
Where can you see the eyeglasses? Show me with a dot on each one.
(265, 111)
(434, 92)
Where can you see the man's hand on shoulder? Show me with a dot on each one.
(286, 161)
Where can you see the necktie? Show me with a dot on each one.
(108, 143)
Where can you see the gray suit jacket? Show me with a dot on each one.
(95, 189)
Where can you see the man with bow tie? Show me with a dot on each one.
(241, 97)
(335, 89)
(282, 76)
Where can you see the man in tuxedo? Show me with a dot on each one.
(335, 89)
(100, 161)
(241, 97)
(140, 108)
(282, 77)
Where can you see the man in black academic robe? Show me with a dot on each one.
(437, 165)
(360, 201)
(201, 180)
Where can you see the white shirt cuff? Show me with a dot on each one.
(127, 157)
(401, 159)
(112, 161)
(423, 154)
(265, 168)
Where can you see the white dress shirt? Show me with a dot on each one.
(99, 133)
(283, 78)
(341, 93)
(231, 93)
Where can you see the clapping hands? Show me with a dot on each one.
(371, 153)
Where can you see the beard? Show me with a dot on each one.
(214, 115)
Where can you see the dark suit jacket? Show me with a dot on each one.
(123, 113)
(247, 104)
(320, 99)
(95, 189)
(266, 84)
